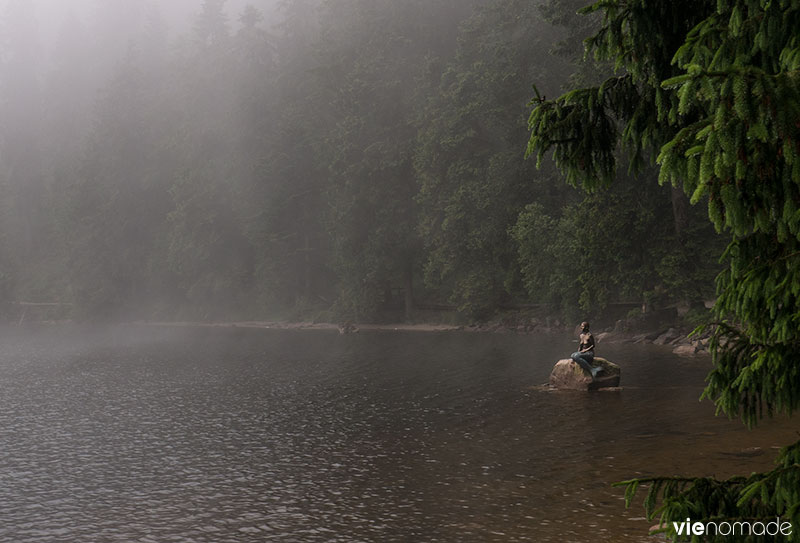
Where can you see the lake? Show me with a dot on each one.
(144, 434)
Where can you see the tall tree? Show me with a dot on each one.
(211, 28)
(25, 219)
(287, 118)
(115, 26)
(207, 248)
(117, 201)
(711, 89)
(70, 92)
(473, 185)
(374, 51)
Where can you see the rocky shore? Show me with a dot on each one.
(669, 336)
(680, 341)
(672, 336)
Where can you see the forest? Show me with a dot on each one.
(368, 160)
(336, 160)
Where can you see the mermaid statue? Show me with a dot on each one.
(585, 354)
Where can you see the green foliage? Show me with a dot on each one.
(725, 128)
(472, 185)
(374, 52)
(761, 497)
(615, 245)
(581, 126)
(566, 14)
(711, 89)
(542, 240)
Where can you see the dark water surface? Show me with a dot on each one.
(213, 435)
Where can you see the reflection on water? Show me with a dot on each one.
(231, 435)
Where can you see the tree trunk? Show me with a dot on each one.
(307, 268)
(408, 291)
(680, 213)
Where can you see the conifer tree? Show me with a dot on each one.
(711, 91)
(472, 184)
(211, 27)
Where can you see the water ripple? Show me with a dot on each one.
(120, 436)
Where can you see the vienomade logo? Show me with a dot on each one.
(734, 528)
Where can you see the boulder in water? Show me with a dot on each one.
(568, 375)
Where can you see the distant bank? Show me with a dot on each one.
(678, 339)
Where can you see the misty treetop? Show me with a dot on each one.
(347, 159)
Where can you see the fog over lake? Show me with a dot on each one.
(298, 270)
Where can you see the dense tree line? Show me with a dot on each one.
(350, 159)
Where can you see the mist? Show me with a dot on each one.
(296, 269)
(312, 160)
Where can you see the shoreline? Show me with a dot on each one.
(665, 335)
(308, 325)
